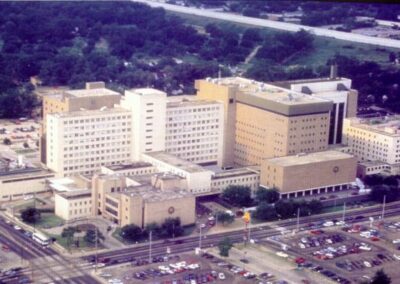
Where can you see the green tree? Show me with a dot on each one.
(285, 208)
(152, 227)
(6, 141)
(265, 212)
(131, 233)
(30, 215)
(267, 195)
(224, 218)
(224, 246)
(69, 233)
(315, 206)
(90, 237)
(381, 278)
(237, 195)
(172, 227)
(378, 193)
(26, 145)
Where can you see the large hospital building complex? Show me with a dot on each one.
(235, 131)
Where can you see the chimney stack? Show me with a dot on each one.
(333, 74)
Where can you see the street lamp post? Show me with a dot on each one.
(150, 240)
(383, 207)
(200, 238)
(344, 211)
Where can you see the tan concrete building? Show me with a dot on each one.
(72, 205)
(308, 174)
(153, 200)
(335, 89)
(94, 96)
(265, 121)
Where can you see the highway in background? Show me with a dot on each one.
(386, 42)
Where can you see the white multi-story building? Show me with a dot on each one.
(194, 129)
(374, 139)
(83, 141)
(148, 107)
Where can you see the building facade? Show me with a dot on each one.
(83, 141)
(374, 139)
(194, 129)
(336, 89)
(148, 107)
(94, 96)
(309, 174)
(73, 205)
(264, 121)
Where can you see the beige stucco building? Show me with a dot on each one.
(308, 174)
(264, 121)
(71, 205)
(152, 199)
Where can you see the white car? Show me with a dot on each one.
(221, 276)
(396, 241)
(366, 248)
(340, 223)
(16, 227)
(99, 265)
(396, 256)
(282, 254)
(328, 224)
(367, 264)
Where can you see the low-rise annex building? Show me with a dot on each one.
(309, 174)
(72, 205)
(375, 139)
(153, 199)
(20, 180)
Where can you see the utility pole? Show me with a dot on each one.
(383, 207)
(344, 211)
(248, 235)
(200, 238)
(96, 242)
(150, 239)
(298, 219)
(34, 206)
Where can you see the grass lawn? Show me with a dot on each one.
(49, 220)
(325, 47)
(64, 242)
(331, 209)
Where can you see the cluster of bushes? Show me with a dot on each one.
(267, 202)
(169, 229)
(383, 187)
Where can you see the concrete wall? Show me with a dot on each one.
(12, 187)
(184, 208)
(308, 176)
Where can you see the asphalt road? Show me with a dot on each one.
(386, 42)
(190, 243)
(45, 264)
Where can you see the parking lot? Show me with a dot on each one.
(346, 253)
(20, 132)
(187, 268)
